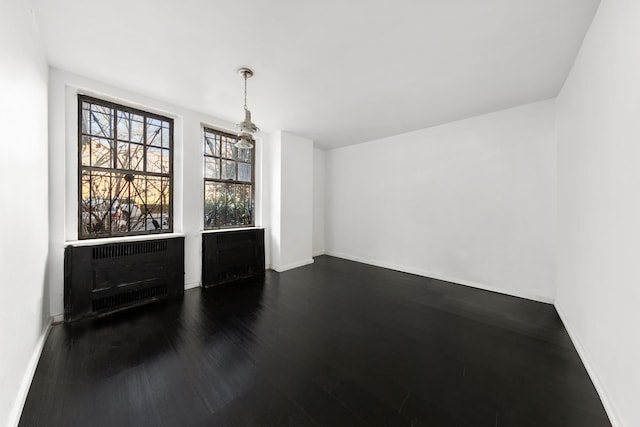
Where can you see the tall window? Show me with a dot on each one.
(228, 181)
(125, 173)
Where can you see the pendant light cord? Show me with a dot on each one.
(245, 92)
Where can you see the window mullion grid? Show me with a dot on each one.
(236, 162)
(114, 135)
(235, 185)
(114, 171)
(219, 153)
(145, 143)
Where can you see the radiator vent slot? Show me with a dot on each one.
(129, 248)
(127, 299)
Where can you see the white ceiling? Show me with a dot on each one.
(336, 71)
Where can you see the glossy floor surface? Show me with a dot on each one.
(335, 343)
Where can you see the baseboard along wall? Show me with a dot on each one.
(21, 398)
(425, 273)
(607, 402)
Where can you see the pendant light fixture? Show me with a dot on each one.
(246, 128)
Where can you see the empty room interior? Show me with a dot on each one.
(336, 213)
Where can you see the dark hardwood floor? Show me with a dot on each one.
(335, 343)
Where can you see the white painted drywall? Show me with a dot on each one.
(291, 200)
(274, 197)
(24, 311)
(598, 275)
(471, 201)
(188, 171)
(318, 201)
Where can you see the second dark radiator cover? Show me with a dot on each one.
(232, 255)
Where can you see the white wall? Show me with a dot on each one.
(291, 200)
(598, 276)
(188, 171)
(318, 201)
(24, 313)
(471, 201)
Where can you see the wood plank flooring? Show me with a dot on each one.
(335, 343)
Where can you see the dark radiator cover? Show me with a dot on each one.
(105, 278)
(232, 255)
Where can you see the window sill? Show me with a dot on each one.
(223, 230)
(107, 240)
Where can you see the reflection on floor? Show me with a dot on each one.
(330, 344)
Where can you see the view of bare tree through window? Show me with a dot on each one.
(228, 181)
(125, 170)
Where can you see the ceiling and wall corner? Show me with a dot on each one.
(335, 72)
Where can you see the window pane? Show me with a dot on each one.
(244, 172)
(136, 194)
(166, 138)
(111, 203)
(155, 198)
(101, 153)
(96, 152)
(130, 156)
(164, 203)
(101, 109)
(85, 151)
(211, 145)
(154, 159)
(100, 124)
(228, 169)
(86, 118)
(244, 155)
(211, 167)
(152, 208)
(153, 132)
(211, 204)
(130, 126)
(242, 204)
(136, 160)
(121, 210)
(96, 203)
(221, 203)
(86, 214)
(228, 150)
(227, 204)
(165, 161)
(123, 155)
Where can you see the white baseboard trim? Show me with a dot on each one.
(425, 273)
(282, 268)
(57, 318)
(191, 285)
(318, 253)
(604, 396)
(21, 398)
